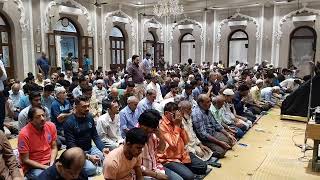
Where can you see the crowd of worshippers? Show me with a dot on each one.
(141, 122)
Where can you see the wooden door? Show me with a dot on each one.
(86, 47)
(52, 54)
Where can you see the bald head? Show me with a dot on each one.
(114, 92)
(204, 101)
(72, 157)
(218, 101)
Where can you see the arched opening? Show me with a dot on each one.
(67, 47)
(187, 48)
(117, 48)
(238, 43)
(152, 46)
(303, 42)
(6, 46)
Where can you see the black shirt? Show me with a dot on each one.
(52, 174)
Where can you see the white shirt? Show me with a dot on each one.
(155, 87)
(75, 66)
(108, 130)
(3, 77)
(289, 84)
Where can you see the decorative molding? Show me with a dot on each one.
(304, 9)
(108, 18)
(236, 15)
(154, 20)
(84, 10)
(24, 24)
(187, 20)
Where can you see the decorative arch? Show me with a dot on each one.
(304, 9)
(121, 13)
(186, 20)
(84, 10)
(232, 38)
(24, 24)
(154, 20)
(236, 15)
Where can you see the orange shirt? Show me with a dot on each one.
(176, 138)
(36, 143)
(117, 166)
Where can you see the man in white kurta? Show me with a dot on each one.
(108, 125)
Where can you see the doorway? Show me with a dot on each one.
(238, 43)
(187, 48)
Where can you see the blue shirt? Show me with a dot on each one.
(204, 123)
(143, 105)
(128, 120)
(86, 64)
(196, 92)
(79, 132)
(47, 102)
(238, 104)
(52, 174)
(24, 102)
(44, 64)
(56, 109)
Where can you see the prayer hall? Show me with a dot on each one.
(159, 89)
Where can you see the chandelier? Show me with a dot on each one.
(166, 8)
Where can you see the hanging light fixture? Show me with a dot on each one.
(166, 8)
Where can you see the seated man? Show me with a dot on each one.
(151, 169)
(173, 91)
(255, 92)
(129, 91)
(9, 167)
(239, 103)
(208, 130)
(229, 116)
(95, 109)
(60, 111)
(79, 131)
(155, 86)
(176, 157)
(122, 161)
(68, 166)
(187, 94)
(147, 102)
(37, 143)
(289, 85)
(268, 94)
(15, 94)
(47, 98)
(195, 146)
(108, 125)
(100, 91)
(35, 99)
(128, 116)
(216, 109)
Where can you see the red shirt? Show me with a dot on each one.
(37, 143)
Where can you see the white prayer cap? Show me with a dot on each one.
(100, 81)
(228, 92)
(259, 81)
(276, 88)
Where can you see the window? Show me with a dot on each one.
(5, 46)
(302, 49)
(238, 43)
(117, 48)
(187, 48)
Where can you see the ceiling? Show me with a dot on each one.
(196, 4)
